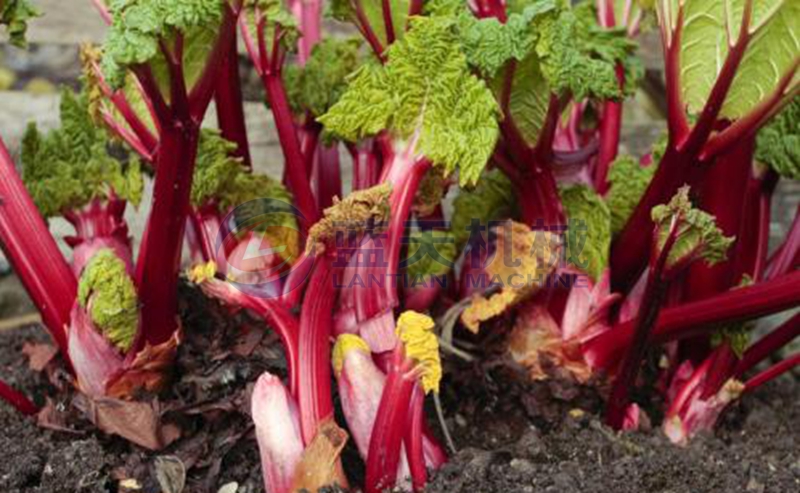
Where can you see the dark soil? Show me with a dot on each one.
(512, 436)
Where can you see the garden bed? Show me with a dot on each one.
(512, 436)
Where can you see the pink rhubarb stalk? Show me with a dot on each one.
(277, 425)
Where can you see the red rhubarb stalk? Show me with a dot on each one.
(160, 254)
(699, 317)
(33, 252)
(230, 105)
(290, 144)
(413, 440)
(654, 293)
(787, 257)
(768, 345)
(387, 433)
(683, 150)
(17, 399)
(773, 372)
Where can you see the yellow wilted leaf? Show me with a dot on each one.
(521, 264)
(421, 345)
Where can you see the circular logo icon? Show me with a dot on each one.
(260, 248)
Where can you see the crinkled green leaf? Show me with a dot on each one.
(15, 14)
(487, 42)
(588, 236)
(698, 236)
(628, 181)
(578, 56)
(430, 253)
(778, 144)
(345, 11)
(106, 290)
(223, 178)
(492, 199)
(711, 27)
(69, 167)
(425, 95)
(216, 169)
(139, 25)
(320, 83)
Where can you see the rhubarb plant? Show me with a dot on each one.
(598, 263)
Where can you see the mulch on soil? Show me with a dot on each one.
(512, 436)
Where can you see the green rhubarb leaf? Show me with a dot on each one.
(106, 290)
(628, 180)
(14, 15)
(430, 253)
(69, 167)
(140, 25)
(698, 236)
(492, 199)
(529, 99)
(275, 16)
(711, 27)
(778, 144)
(426, 96)
(320, 83)
(580, 57)
(489, 43)
(345, 11)
(588, 237)
(222, 178)
(216, 169)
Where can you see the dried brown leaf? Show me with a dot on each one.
(39, 354)
(138, 422)
(320, 465)
(149, 371)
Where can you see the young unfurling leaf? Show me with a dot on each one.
(108, 294)
(426, 96)
(697, 235)
(362, 209)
